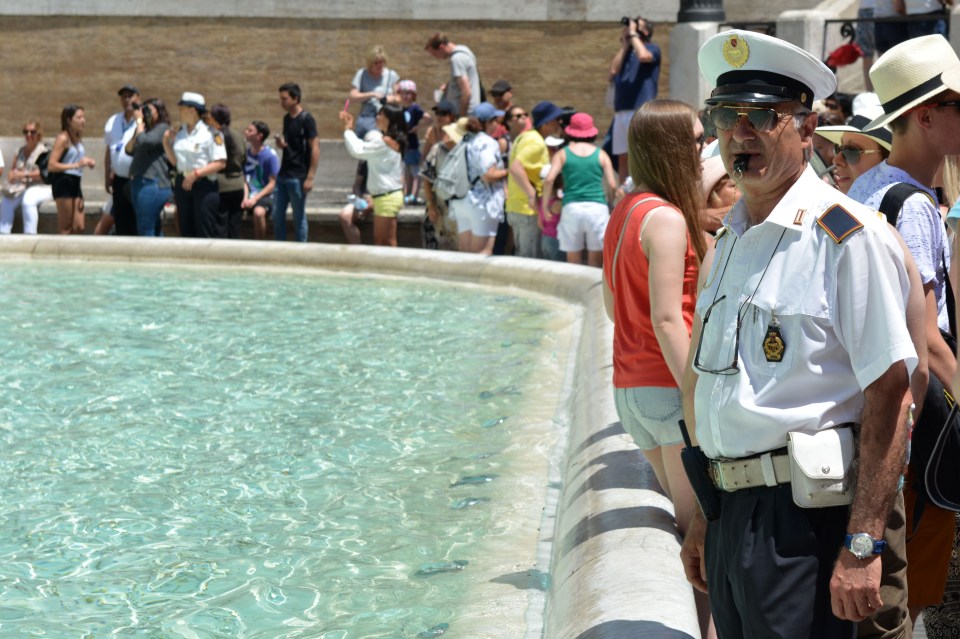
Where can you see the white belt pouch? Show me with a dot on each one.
(821, 467)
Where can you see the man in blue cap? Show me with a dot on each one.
(799, 364)
(528, 156)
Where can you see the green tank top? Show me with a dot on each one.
(583, 178)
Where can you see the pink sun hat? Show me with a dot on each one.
(581, 127)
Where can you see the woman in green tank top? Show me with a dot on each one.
(589, 183)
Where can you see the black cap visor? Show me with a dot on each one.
(758, 87)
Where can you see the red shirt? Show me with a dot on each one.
(637, 358)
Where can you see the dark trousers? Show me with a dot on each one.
(124, 215)
(198, 209)
(769, 564)
(231, 212)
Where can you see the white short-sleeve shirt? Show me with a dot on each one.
(198, 148)
(116, 133)
(839, 309)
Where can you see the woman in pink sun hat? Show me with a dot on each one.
(589, 184)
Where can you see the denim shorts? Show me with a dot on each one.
(650, 415)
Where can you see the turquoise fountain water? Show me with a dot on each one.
(224, 453)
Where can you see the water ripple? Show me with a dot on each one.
(194, 453)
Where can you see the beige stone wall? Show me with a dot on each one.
(49, 61)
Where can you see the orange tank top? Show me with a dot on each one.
(637, 358)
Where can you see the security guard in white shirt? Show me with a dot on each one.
(800, 331)
(199, 154)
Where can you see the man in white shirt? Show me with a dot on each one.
(118, 130)
(799, 333)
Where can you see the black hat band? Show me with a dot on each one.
(915, 93)
(763, 83)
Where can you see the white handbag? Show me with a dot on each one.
(821, 463)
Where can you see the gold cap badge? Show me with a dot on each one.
(735, 51)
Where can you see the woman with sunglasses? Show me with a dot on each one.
(855, 151)
(23, 186)
(67, 160)
(652, 252)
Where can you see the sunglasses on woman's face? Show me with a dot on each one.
(762, 120)
(851, 154)
(29, 132)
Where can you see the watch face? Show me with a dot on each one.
(861, 545)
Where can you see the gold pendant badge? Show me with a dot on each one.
(773, 345)
(735, 51)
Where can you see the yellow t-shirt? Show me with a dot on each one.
(532, 152)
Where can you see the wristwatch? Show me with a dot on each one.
(863, 545)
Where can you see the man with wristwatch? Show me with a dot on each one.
(798, 383)
(863, 545)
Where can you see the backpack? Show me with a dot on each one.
(43, 165)
(935, 442)
(453, 181)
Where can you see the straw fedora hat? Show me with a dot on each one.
(457, 130)
(911, 73)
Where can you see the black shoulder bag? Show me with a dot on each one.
(935, 445)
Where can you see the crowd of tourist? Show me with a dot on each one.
(541, 183)
(758, 212)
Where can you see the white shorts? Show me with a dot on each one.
(470, 218)
(582, 225)
(621, 126)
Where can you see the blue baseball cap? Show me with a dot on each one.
(545, 112)
(486, 112)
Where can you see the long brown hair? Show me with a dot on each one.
(662, 154)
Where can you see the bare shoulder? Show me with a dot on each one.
(664, 226)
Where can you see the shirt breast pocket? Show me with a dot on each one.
(768, 337)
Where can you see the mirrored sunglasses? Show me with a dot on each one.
(762, 120)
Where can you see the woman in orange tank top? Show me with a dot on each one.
(652, 251)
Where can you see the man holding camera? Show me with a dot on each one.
(116, 172)
(635, 73)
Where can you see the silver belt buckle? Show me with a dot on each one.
(717, 467)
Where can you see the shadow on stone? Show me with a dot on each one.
(619, 469)
(617, 519)
(532, 579)
(616, 428)
(624, 629)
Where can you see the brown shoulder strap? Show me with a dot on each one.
(623, 231)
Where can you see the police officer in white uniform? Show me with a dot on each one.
(199, 154)
(800, 331)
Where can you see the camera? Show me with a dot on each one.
(135, 106)
(148, 117)
(625, 21)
